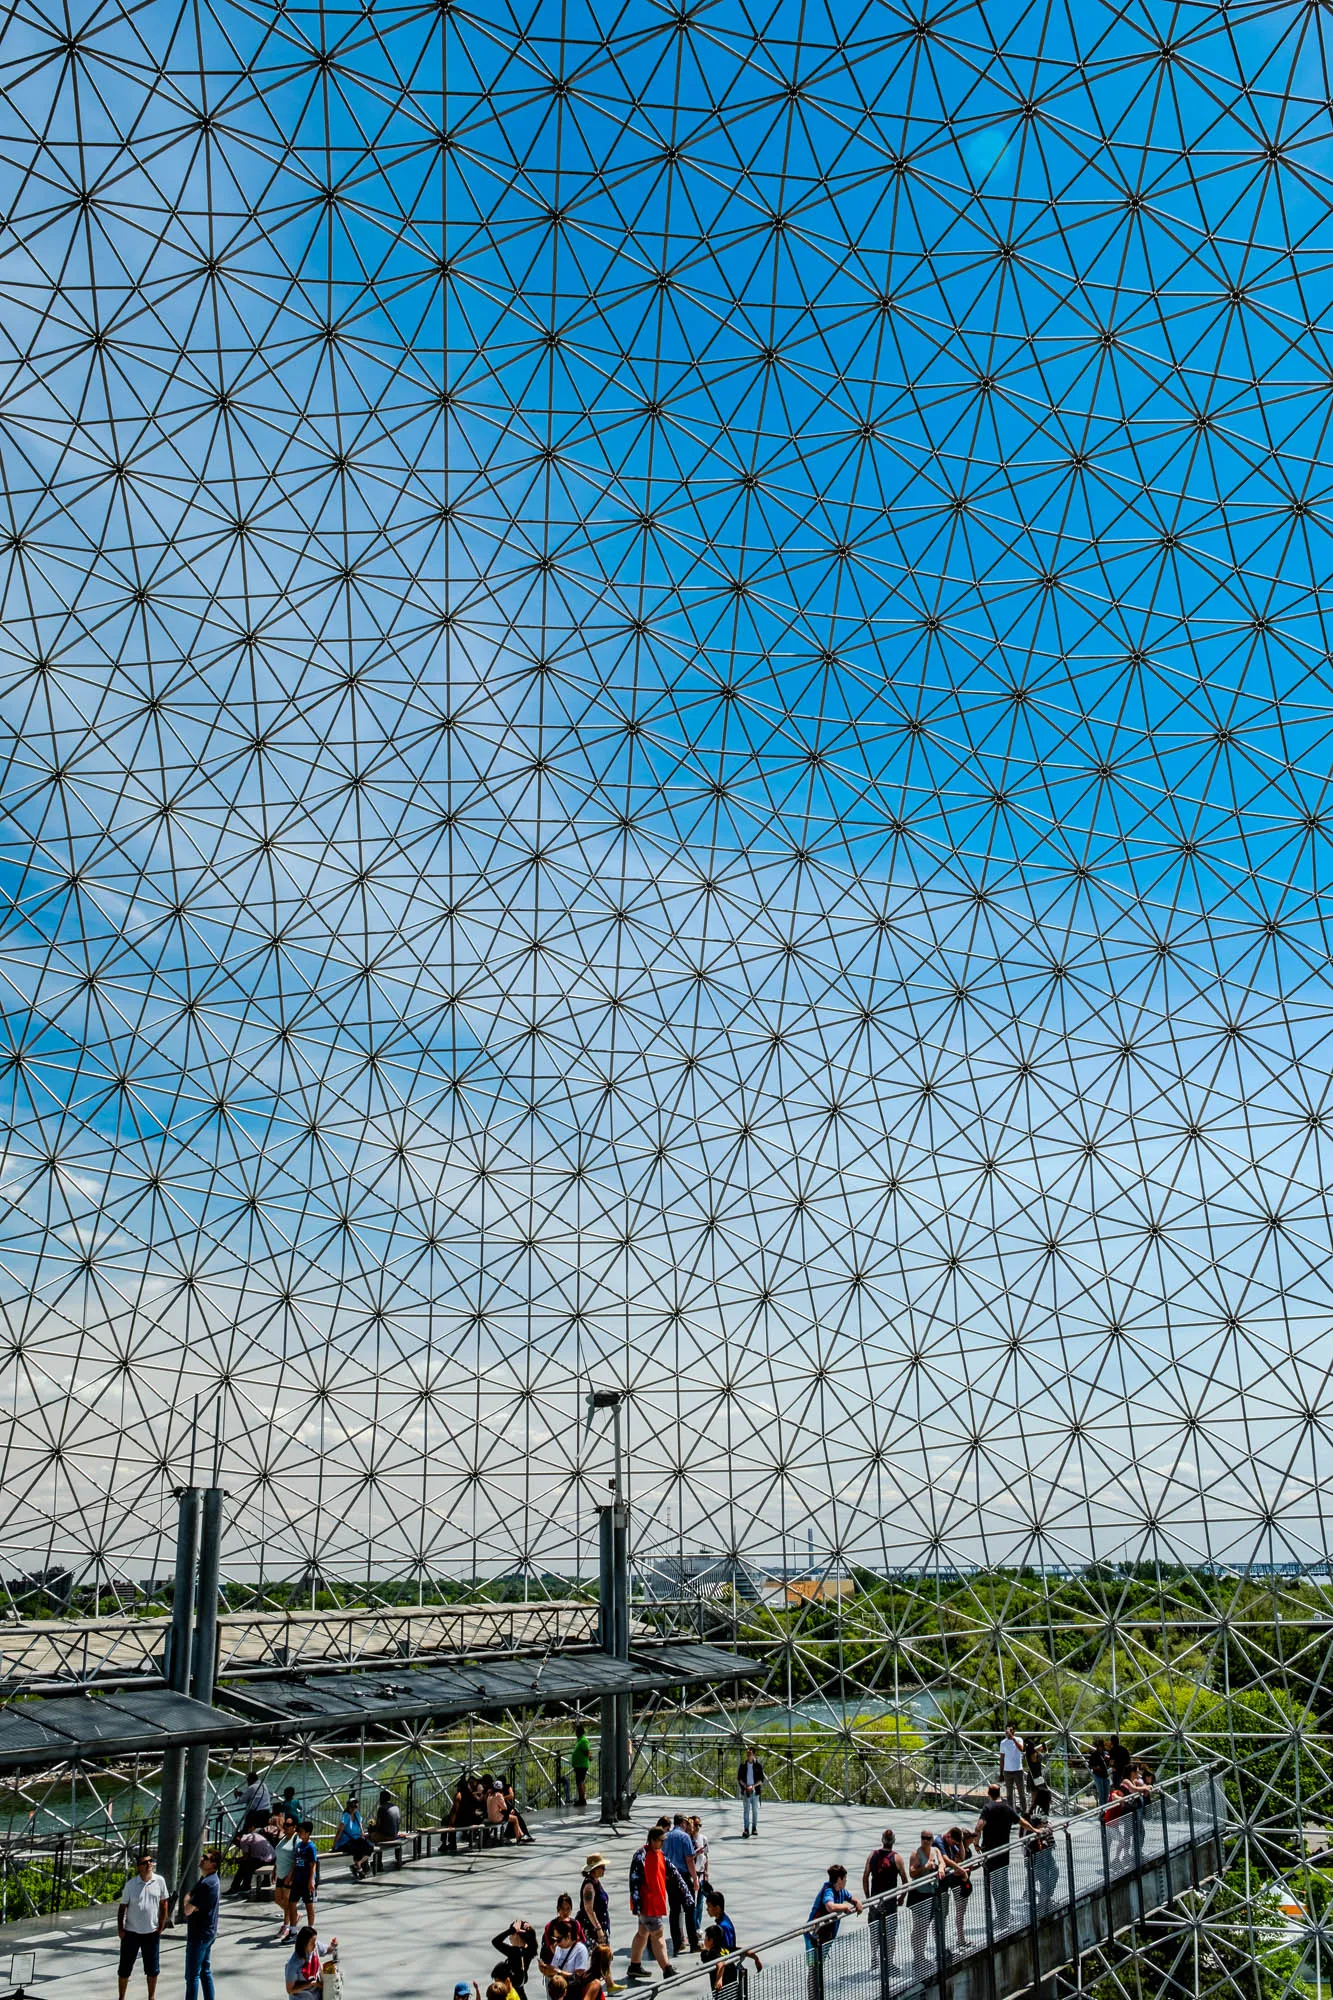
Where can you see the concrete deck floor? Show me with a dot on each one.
(413, 1932)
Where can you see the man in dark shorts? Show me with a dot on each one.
(885, 1870)
(141, 1919)
(994, 1828)
(305, 1873)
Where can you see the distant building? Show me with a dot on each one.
(713, 1578)
(807, 1589)
(703, 1578)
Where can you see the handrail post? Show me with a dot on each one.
(1137, 1824)
(882, 1926)
(1075, 1948)
(1106, 1878)
(1194, 1852)
(1034, 1942)
(986, 1873)
(941, 1932)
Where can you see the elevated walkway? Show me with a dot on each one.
(1022, 1920)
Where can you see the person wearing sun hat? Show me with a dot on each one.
(594, 1903)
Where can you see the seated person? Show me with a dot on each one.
(353, 1840)
(255, 1849)
(512, 1803)
(498, 1813)
(388, 1825)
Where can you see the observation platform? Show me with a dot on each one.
(432, 1922)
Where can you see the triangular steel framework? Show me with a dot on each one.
(667, 707)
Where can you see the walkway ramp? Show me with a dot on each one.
(1021, 1922)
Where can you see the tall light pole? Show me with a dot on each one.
(613, 1598)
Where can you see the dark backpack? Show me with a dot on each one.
(883, 1873)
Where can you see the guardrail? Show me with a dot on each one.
(1012, 1916)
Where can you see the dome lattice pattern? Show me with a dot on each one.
(714, 773)
(666, 711)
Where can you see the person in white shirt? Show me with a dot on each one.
(141, 1918)
(569, 1956)
(1011, 1766)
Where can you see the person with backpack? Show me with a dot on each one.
(885, 1871)
(1099, 1770)
(1041, 1846)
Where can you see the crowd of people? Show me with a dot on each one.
(675, 1903)
(671, 1895)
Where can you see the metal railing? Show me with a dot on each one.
(916, 1935)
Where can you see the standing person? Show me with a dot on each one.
(564, 1914)
(1011, 1765)
(284, 1860)
(678, 1847)
(580, 1760)
(141, 1918)
(600, 1981)
(830, 1906)
(256, 1802)
(993, 1830)
(649, 1899)
(200, 1905)
(594, 1903)
(700, 1839)
(517, 1947)
(926, 1868)
(289, 1803)
(956, 1847)
(885, 1871)
(305, 1873)
(303, 1969)
(1119, 1759)
(1045, 1867)
(1034, 1756)
(750, 1784)
(1099, 1770)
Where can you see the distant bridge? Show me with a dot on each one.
(1027, 1917)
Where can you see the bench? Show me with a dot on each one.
(397, 1843)
(262, 1881)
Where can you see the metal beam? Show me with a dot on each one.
(608, 1763)
(203, 1674)
(178, 1677)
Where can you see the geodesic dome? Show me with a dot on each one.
(666, 709)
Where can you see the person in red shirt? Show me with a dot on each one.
(650, 1883)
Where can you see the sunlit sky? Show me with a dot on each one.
(667, 721)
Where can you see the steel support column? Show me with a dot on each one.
(177, 1676)
(203, 1674)
(620, 1550)
(608, 1782)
